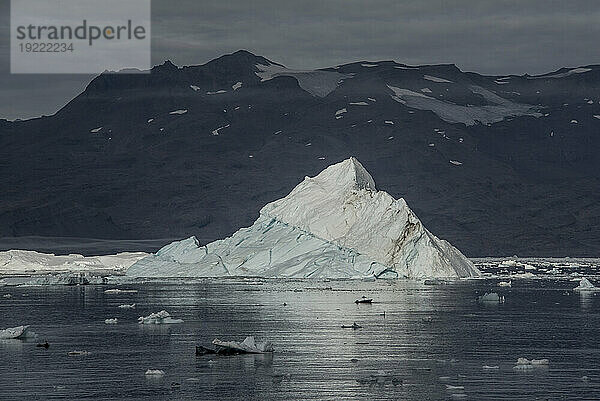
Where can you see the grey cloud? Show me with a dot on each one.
(486, 36)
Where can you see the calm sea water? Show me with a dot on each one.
(434, 338)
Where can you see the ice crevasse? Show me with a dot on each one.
(334, 225)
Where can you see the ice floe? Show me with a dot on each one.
(248, 346)
(215, 132)
(216, 92)
(14, 332)
(154, 372)
(162, 317)
(119, 291)
(96, 130)
(180, 111)
(126, 306)
(586, 285)
(111, 321)
(236, 86)
(35, 263)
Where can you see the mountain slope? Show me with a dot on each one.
(199, 149)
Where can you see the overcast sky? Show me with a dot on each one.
(485, 36)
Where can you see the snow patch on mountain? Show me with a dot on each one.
(497, 109)
(336, 224)
(318, 83)
(436, 79)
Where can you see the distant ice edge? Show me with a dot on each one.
(333, 225)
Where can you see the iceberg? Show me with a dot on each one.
(36, 263)
(14, 332)
(585, 285)
(162, 317)
(334, 225)
(248, 346)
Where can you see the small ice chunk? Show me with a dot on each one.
(150, 120)
(359, 103)
(369, 65)
(95, 130)
(341, 111)
(215, 132)
(248, 346)
(505, 283)
(426, 90)
(162, 317)
(180, 111)
(195, 88)
(574, 122)
(126, 306)
(585, 285)
(119, 291)
(491, 297)
(154, 372)
(371, 99)
(456, 162)
(14, 332)
(111, 321)
(390, 122)
(217, 92)
(7, 296)
(597, 116)
(78, 353)
(236, 86)
(488, 367)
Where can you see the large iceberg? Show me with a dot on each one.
(334, 225)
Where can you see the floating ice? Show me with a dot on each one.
(78, 353)
(490, 298)
(126, 306)
(195, 88)
(154, 372)
(359, 103)
(162, 317)
(524, 364)
(456, 163)
(248, 346)
(119, 291)
(426, 90)
(341, 111)
(505, 283)
(95, 130)
(216, 92)
(111, 321)
(14, 332)
(585, 285)
(334, 225)
(180, 111)
(36, 263)
(236, 86)
(215, 132)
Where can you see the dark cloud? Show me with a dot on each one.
(486, 36)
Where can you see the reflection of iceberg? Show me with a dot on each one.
(334, 225)
(248, 346)
(585, 285)
(14, 332)
(162, 317)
